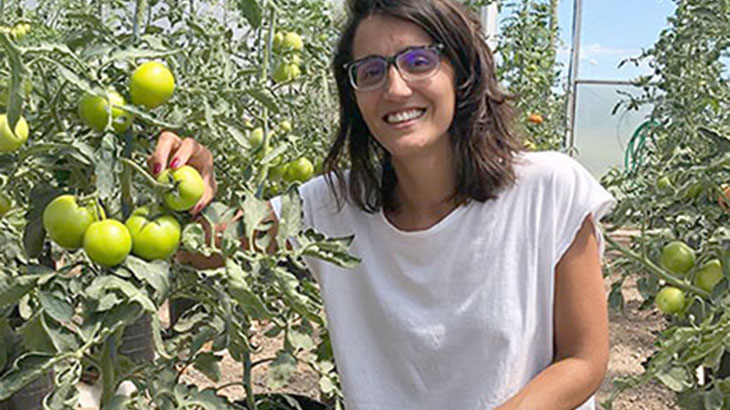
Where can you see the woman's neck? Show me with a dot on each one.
(425, 190)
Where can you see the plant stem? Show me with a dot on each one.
(127, 200)
(148, 178)
(107, 370)
(138, 17)
(247, 382)
(264, 112)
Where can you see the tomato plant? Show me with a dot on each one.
(527, 65)
(669, 194)
(206, 76)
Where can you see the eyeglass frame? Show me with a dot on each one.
(438, 47)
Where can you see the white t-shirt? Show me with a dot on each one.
(460, 315)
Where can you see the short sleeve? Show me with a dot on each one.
(577, 194)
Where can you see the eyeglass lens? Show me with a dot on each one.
(412, 64)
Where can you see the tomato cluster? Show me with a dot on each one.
(151, 85)
(679, 259)
(150, 232)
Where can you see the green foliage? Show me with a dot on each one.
(676, 171)
(61, 311)
(527, 66)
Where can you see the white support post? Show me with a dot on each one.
(490, 22)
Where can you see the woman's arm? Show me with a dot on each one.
(581, 332)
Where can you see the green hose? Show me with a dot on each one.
(635, 154)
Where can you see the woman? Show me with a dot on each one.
(480, 285)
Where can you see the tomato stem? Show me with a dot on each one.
(656, 270)
(148, 178)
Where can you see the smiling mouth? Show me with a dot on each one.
(404, 116)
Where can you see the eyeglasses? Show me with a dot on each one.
(413, 64)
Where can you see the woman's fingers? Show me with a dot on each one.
(174, 152)
(167, 144)
(203, 162)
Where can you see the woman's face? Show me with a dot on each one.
(406, 118)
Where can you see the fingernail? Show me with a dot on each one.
(197, 208)
(174, 163)
(157, 169)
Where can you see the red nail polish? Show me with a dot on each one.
(197, 209)
(157, 169)
(174, 163)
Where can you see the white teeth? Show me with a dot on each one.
(405, 116)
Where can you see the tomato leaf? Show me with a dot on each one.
(106, 179)
(334, 250)
(36, 336)
(255, 213)
(281, 370)
(154, 273)
(33, 238)
(290, 217)
(208, 364)
(676, 378)
(26, 368)
(265, 98)
(239, 288)
(15, 102)
(56, 307)
(252, 11)
(106, 284)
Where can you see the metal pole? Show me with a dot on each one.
(490, 23)
(569, 142)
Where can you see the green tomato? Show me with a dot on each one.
(94, 112)
(670, 300)
(709, 275)
(664, 183)
(285, 73)
(694, 191)
(295, 59)
(277, 172)
(65, 221)
(188, 190)
(256, 137)
(107, 242)
(299, 170)
(278, 40)
(151, 85)
(677, 258)
(285, 126)
(6, 203)
(292, 41)
(155, 234)
(11, 141)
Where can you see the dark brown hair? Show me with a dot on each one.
(481, 136)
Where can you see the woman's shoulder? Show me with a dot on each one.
(546, 166)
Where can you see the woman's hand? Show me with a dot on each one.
(174, 152)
